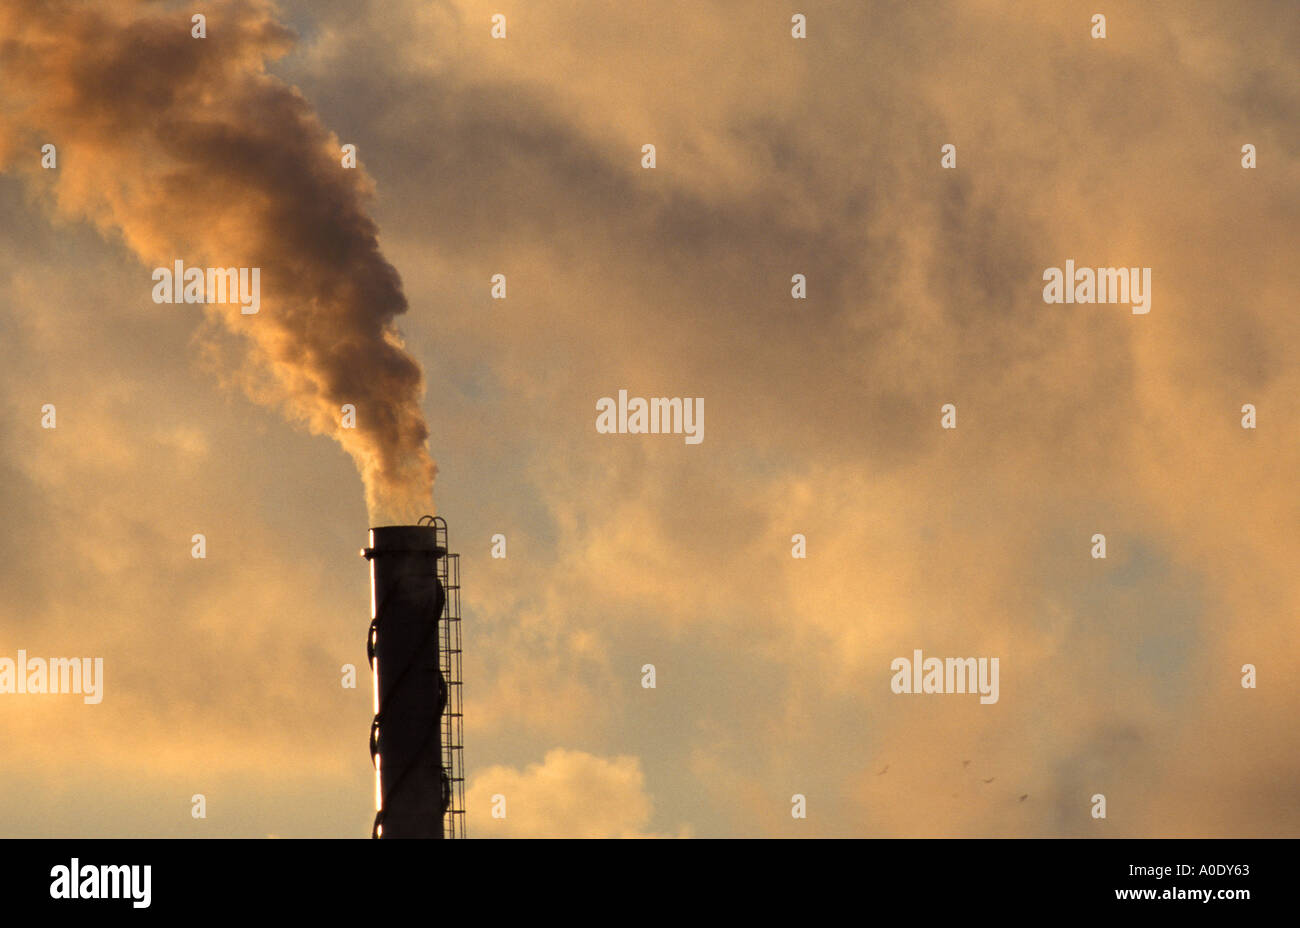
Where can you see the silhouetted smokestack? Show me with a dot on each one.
(414, 738)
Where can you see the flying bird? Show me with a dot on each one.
(1024, 797)
(883, 772)
(990, 779)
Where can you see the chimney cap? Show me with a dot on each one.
(403, 539)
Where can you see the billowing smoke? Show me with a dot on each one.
(188, 150)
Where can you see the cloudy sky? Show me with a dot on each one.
(775, 156)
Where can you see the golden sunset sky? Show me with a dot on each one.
(775, 156)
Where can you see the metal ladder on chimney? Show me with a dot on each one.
(449, 653)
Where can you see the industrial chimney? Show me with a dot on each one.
(414, 651)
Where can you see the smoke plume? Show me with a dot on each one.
(189, 150)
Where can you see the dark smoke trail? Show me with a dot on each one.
(189, 150)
